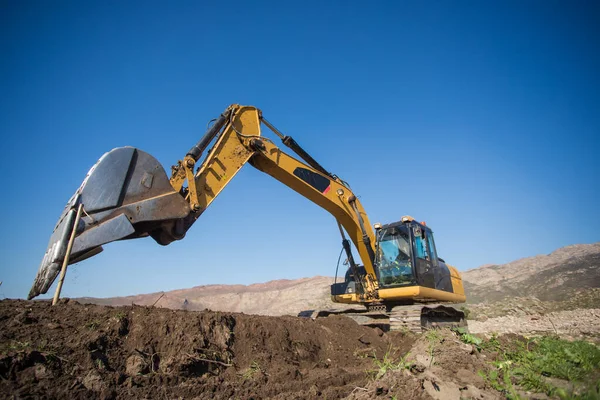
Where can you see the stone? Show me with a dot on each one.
(467, 348)
(135, 365)
(442, 390)
(93, 381)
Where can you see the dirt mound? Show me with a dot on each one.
(99, 352)
(89, 351)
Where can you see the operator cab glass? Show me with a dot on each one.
(394, 257)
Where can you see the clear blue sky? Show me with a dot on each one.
(481, 118)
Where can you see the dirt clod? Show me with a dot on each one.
(93, 381)
(135, 365)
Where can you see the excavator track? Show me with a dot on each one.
(406, 318)
(413, 318)
(443, 316)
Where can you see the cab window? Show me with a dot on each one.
(421, 248)
(394, 260)
(431, 246)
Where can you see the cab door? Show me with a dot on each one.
(424, 262)
(441, 273)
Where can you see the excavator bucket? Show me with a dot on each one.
(125, 195)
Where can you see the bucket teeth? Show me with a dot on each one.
(125, 195)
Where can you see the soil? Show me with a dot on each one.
(88, 351)
(82, 351)
(437, 367)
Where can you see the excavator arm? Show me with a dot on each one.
(127, 194)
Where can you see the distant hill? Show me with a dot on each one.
(562, 273)
(279, 297)
(565, 274)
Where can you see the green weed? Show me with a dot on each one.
(92, 325)
(466, 311)
(529, 365)
(99, 364)
(492, 344)
(467, 338)
(433, 336)
(120, 315)
(387, 364)
(19, 346)
(252, 370)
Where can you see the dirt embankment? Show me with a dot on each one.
(89, 351)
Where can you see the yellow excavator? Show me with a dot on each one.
(401, 282)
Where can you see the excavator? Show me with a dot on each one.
(400, 283)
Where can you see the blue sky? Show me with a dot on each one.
(481, 118)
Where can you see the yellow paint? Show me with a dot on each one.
(420, 293)
(346, 298)
(457, 283)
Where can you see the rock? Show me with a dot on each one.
(136, 365)
(314, 391)
(423, 360)
(481, 318)
(93, 381)
(442, 390)
(41, 372)
(467, 348)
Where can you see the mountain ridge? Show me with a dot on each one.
(562, 274)
(553, 276)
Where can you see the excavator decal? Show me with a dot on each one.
(314, 179)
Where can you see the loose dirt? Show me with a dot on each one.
(82, 351)
(88, 351)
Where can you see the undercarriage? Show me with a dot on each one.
(413, 318)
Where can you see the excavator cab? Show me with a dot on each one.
(411, 282)
(405, 258)
(394, 261)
